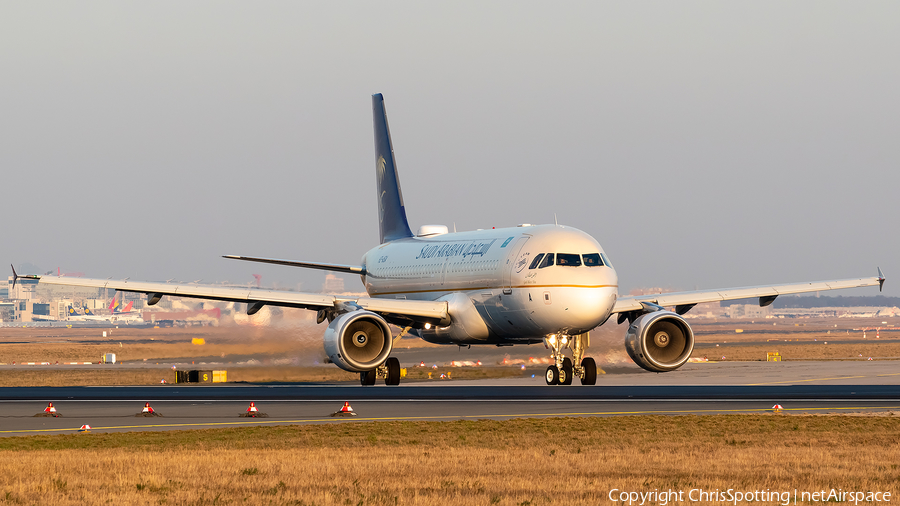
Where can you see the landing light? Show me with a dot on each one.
(427, 326)
(564, 340)
(552, 339)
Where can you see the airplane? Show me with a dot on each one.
(527, 284)
(124, 315)
(114, 307)
(85, 315)
(115, 316)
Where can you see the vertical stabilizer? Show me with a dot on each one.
(392, 221)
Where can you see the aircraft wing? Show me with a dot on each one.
(684, 301)
(394, 310)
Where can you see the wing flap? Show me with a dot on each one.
(633, 303)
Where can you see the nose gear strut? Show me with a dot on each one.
(564, 369)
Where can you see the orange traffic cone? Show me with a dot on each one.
(148, 411)
(345, 410)
(50, 410)
(253, 412)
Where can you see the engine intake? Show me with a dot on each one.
(358, 341)
(660, 341)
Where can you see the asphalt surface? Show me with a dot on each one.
(729, 387)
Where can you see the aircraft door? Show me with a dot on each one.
(516, 262)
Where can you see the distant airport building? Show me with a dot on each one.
(333, 284)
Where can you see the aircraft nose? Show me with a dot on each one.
(586, 308)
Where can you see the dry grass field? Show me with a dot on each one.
(515, 462)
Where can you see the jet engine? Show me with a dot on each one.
(358, 341)
(660, 341)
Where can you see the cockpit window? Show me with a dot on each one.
(592, 259)
(548, 261)
(606, 259)
(568, 259)
(536, 261)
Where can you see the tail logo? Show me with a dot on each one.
(379, 166)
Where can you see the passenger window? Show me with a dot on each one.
(548, 261)
(592, 259)
(568, 259)
(536, 261)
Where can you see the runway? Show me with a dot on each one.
(800, 387)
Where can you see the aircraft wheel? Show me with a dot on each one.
(565, 375)
(393, 371)
(367, 378)
(552, 375)
(590, 371)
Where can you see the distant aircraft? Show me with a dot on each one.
(124, 315)
(85, 315)
(518, 285)
(114, 307)
(115, 316)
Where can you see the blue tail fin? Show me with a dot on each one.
(391, 213)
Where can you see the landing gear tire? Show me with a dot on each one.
(367, 378)
(590, 371)
(552, 375)
(393, 371)
(565, 375)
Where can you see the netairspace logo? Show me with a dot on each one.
(735, 497)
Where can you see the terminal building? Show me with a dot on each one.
(29, 302)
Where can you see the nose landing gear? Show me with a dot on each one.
(564, 370)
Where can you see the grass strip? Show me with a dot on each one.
(515, 462)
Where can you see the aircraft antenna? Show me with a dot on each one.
(454, 227)
(555, 220)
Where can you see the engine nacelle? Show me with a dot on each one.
(660, 341)
(358, 341)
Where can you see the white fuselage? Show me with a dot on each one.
(495, 291)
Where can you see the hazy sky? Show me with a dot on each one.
(704, 144)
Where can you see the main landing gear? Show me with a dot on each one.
(390, 371)
(564, 370)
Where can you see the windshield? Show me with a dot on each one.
(568, 259)
(548, 261)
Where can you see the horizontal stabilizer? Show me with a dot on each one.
(350, 269)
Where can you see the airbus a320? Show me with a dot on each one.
(508, 286)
